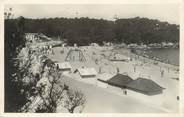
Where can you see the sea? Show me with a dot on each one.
(171, 54)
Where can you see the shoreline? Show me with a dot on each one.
(156, 59)
(134, 55)
(158, 63)
(142, 53)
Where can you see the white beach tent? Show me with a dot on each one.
(65, 66)
(86, 72)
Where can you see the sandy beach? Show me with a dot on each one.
(113, 100)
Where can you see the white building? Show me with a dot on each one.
(65, 66)
(86, 72)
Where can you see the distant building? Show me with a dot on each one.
(44, 37)
(75, 45)
(86, 72)
(170, 44)
(94, 44)
(133, 45)
(107, 44)
(31, 36)
(118, 57)
(36, 37)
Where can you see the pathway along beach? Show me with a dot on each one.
(106, 100)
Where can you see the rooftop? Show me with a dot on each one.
(120, 80)
(144, 85)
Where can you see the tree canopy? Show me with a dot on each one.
(84, 31)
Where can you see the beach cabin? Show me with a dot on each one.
(65, 66)
(102, 79)
(119, 82)
(145, 86)
(86, 72)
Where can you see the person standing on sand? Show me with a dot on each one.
(100, 70)
(117, 70)
(96, 61)
(134, 68)
(57, 67)
(168, 69)
(125, 92)
(162, 73)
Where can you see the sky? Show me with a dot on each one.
(162, 12)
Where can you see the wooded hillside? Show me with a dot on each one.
(84, 31)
